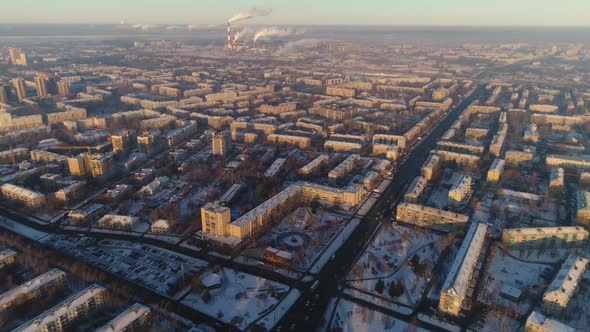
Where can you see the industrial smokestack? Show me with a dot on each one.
(229, 43)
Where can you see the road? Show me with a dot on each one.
(335, 271)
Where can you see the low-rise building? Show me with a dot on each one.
(160, 226)
(564, 285)
(545, 237)
(415, 190)
(113, 221)
(32, 289)
(460, 191)
(455, 288)
(133, 318)
(495, 171)
(537, 322)
(428, 216)
(7, 258)
(344, 167)
(28, 197)
(75, 307)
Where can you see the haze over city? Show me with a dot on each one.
(294, 165)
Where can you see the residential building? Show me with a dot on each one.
(133, 318)
(415, 190)
(32, 289)
(428, 216)
(214, 219)
(28, 197)
(564, 285)
(62, 316)
(456, 286)
(545, 237)
(496, 170)
(221, 143)
(537, 322)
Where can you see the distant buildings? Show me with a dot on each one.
(221, 143)
(41, 86)
(457, 284)
(17, 56)
(19, 87)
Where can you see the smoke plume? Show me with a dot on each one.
(254, 12)
(240, 34)
(275, 32)
(298, 45)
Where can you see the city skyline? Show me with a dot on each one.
(305, 12)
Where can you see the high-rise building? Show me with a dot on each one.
(63, 88)
(17, 56)
(96, 165)
(77, 166)
(221, 143)
(122, 141)
(19, 86)
(3, 96)
(214, 219)
(41, 86)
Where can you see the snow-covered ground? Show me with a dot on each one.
(343, 315)
(388, 260)
(306, 235)
(242, 299)
(505, 271)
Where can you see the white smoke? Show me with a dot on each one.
(275, 32)
(143, 27)
(297, 45)
(248, 14)
(240, 34)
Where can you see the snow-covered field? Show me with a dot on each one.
(242, 299)
(400, 256)
(303, 233)
(343, 315)
(505, 271)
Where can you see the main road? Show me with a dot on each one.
(307, 313)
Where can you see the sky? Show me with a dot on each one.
(304, 12)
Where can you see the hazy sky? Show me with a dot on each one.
(341, 12)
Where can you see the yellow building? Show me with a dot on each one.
(214, 219)
(28, 197)
(564, 285)
(544, 237)
(455, 288)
